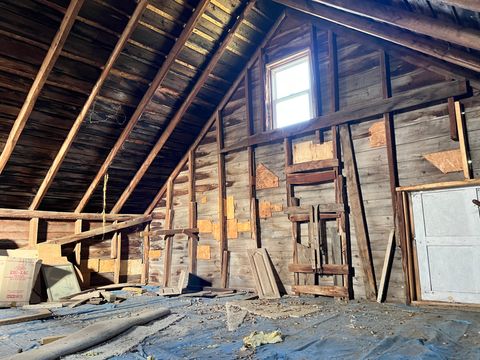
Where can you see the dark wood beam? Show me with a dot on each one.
(157, 81)
(402, 101)
(437, 49)
(473, 5)
(177, 118)
(62, 153)
(100, 231)
(42, 75)
(422, 24)
(211, 121)
(58, 215)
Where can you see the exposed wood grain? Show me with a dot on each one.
(168, 253)
(463, 140)
(335, 291)
(58, 215)
(42, 75)
(387, 267)
(33, 232)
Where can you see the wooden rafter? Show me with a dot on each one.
(181, 111)
(157, 81)
(408, 20)
(211, 121)
(42, 75)
(473, 5)
(62, 153)
(390, 33)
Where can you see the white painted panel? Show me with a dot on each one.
(447, 234)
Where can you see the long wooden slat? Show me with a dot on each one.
(45, 69)
(168, 251)
(157, 81)
(335, 291)
(473, 5)
(360, 112)
(58, 215)
(62, 153)
(211, 121)
(413, 21)
(310, 178)
(440, 185)
(390, 33)
(33, 232)
(387, 267)
(100, 231)
(326, 269)
(358, 213)
(182, 110)
(463, 141)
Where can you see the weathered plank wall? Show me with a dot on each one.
(418, 132)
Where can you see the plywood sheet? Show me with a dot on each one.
(232, 229)
(205, 226)
(265, 178)
(377, 135)
(265, 209)
(230, 207)
(309, 151)
(203, 252)
(446, 161)
(154, 254)
(244, 226)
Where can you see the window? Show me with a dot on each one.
(290, 90)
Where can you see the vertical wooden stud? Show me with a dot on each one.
(118, 259)
(33, 232)
(145, 253)
(453, 119)
(463, 140)
(78, 245)
(333, 72)
(167, 257)
(192, 212)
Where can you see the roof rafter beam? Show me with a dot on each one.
(182, 110)
(157, 81)
(386, 32)
(62, 153)
(473, 5)
(408, 20)
(42, 75)
(222, 104)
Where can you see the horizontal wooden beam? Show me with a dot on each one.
(371, 109)
(420, 43)
(326, 269)
(211, 121)
(311, 177)
(62, 153)
(335, 291)
(42, 75)
(58, 215)
(177, 118)
(171, 232)
(156, 82)
(311, 165)
(440, 185)
(416, 22)
(100, 231)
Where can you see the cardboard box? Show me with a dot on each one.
(17, 277)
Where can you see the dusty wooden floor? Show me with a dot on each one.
(311, 328)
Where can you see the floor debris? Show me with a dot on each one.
(256, 339)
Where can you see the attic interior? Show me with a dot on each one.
(240, 179)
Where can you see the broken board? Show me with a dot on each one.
(262, 271)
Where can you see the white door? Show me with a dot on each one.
(447, 234)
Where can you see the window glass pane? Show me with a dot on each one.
(293, 110)
(291, 78)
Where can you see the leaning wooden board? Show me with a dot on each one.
(262, 271)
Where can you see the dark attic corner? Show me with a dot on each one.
(269, 179)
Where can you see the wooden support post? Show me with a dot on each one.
(264, 122)
(168, 253)
(358, 213)
(387, 267)
(403, 246)
(222, 195)
(145, 253)
(118, 259)
(252, 187)
(42, 75)
(78, 246)
(113, 245)
(192, 211)
(463, 140)
(333, 72)
(453, 119)
(33, 233)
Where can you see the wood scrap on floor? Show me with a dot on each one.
(38, 315)
(181, 285)
(262, 271)
(90, 336)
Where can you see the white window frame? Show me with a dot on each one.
(282, 64)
